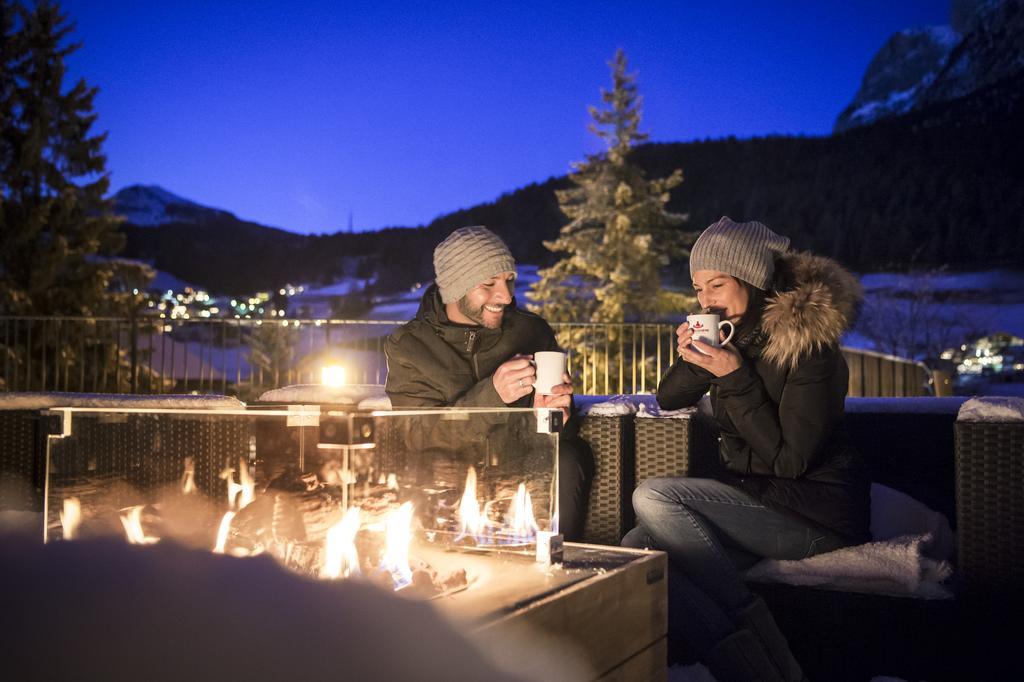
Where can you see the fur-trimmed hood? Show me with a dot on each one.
(812, 302)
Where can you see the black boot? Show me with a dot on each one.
(756, 618)
(741, 658)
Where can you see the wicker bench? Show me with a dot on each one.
(111, 443)
(610, 512)
(971, 472)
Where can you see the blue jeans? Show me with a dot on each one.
(711, 531)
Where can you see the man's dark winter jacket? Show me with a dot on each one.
(781, 412)
(433, 362)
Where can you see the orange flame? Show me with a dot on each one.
(341, 558)
(71, 517)
(523, 523)
(243, 492)
(398, 535)
(471, 522)
(188, 477)
(222, 532)
(131, 519)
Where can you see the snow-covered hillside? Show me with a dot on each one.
(151, 205)
(923, 314)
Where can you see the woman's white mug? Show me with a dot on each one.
(706, 328)
(550, 368)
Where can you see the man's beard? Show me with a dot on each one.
(477, 314)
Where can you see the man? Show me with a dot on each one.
(470, 346)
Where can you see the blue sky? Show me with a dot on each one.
(302, 115)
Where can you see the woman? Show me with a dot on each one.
(792, 487)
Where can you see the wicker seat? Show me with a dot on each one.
(610, 512)
(680, 446)
(846, 636)
(990, 511)
(145, 450)
(21, 439)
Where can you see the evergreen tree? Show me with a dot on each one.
(620, 234)
(56, 227)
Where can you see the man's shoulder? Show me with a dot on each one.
(409, 333)
(529, 319)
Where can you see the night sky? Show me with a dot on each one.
(308, 115)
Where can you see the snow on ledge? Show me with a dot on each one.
(349, 394)
(613, 405)
(656, 412)
(606, 406)
(992, 409)
(44, 401)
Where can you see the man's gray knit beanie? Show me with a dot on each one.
(746, 251)
(469, 256)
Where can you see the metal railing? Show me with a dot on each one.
(247, 357)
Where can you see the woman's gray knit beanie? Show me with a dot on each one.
(469, 256)
(746, 251)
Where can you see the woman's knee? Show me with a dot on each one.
(644, 496)
(677, 490)
(653, 495)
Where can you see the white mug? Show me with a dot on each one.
(706, 327)
(550, 368)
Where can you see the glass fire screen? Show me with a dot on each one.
(328, 493)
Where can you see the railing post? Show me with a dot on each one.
(134, 350)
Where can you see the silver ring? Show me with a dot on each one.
(520, 382)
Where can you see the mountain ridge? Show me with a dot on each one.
(943, 184)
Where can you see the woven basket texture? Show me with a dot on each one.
(990, 508)
(675, 447)
(20, 464)
(609, 514)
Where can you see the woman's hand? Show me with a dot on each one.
(684, 335)
(718, 361)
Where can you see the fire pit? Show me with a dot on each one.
(452, 506)
(406, 499)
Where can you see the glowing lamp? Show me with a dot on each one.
(332, 375)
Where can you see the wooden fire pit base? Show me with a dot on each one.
(607, 603)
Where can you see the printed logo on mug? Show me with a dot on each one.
(706, 328)
(550, 368)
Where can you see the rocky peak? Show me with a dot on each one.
(983, 45)
(897, 75)
(992, 50)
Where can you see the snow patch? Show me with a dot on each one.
(45, 401)
(317, 394)
(992, 409)
(146, 205)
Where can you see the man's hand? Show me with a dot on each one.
(514, 378)
(718, 361)
(561, 396)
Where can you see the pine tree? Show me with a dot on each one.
(620, 234)
(619, 239)
(56, 227)
(57, 231)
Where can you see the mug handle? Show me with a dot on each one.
(732, 330)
